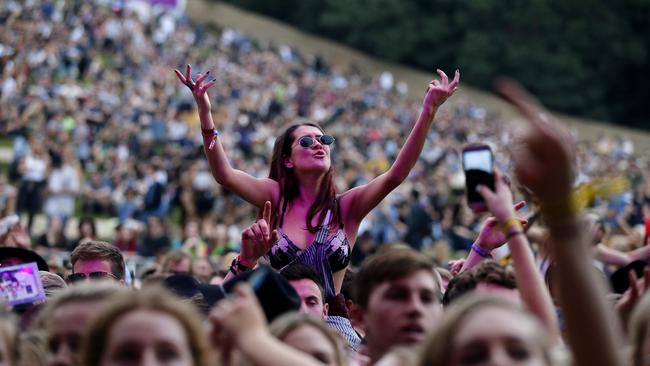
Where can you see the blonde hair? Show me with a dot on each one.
(33, 348)
(436, 350)
(9, 333)
(285, 324)
(155, 299)
(83, 292)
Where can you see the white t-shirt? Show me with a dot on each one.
(60, 202)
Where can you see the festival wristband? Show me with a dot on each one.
(480, 251)
(509, 225)
(237, 267)
(207, 132)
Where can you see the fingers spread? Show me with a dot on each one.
(202, 77)
(180, 76)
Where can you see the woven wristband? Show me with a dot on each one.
(510, 225)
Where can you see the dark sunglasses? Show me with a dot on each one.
(76, 277)
(308, 141)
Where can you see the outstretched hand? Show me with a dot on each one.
(257, 239)
(544, 162)
(439, 90)
(197, 87)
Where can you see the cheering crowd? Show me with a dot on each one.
(277, 210)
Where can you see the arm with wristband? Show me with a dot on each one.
(530, 283)
(254, 190)
(490, 237)
(545, 166)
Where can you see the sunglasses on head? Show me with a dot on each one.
(76, 277)
(308, 141)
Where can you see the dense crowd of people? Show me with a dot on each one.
(304, 213)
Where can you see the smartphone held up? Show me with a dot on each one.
(478, 165)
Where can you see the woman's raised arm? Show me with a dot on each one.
(360, 200)
(254, 190)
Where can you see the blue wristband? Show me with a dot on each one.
(480, 251)
(209, 132)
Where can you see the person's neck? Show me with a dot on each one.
(309, 188)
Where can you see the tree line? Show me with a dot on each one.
(582, 57)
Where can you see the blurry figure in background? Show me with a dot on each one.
(52, 283)
(66, 318)
(176, 262)
(155, 201)
(203, 193)
(13, 233)
(192, 241)
(310, 336)
(34, 168)
(96, 195)
(127, 236)
(63, 186)
(156, 240)
(143, 323)
(7, 197)
(87, 231)
(418, 222)
(203, 269)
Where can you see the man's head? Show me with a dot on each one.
(487, 277)
(399, 299)
(96, 259)
(308, 285)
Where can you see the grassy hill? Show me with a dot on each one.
(266, 29)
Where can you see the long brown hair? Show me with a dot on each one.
(289, 182)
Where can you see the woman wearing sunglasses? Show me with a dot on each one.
(310, 222)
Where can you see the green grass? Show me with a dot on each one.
(6, 143)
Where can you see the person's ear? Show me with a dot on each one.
(288, 163)
(326, 309)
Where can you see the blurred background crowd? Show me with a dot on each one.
(101, 133)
